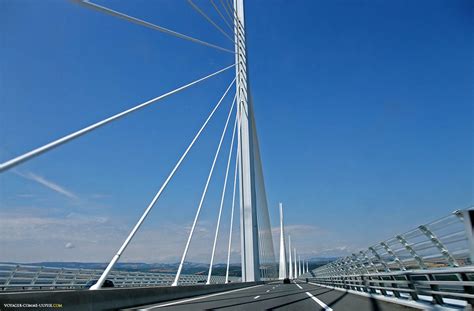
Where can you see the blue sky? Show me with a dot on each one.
(364, 111)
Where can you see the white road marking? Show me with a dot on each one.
(197, 298)
(256, 297)
(319, 302)
(420, 305)
(268, 291)
(298, 286)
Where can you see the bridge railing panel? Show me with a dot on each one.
(433, 260)
(27, 277)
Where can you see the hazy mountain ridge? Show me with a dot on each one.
(188, 268)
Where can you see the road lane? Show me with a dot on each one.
(338, 300)
(277, 296)
(319, 302)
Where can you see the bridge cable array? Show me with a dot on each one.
(35, 152)
(237, 162)
(160, 191)
(203, 195)
(265, 239)
(222, 16)
(149, 25)
(197, 9)
(236, 125)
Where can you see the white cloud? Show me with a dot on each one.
(47, 183)
(25, 195)
(299, 230)
(313, 241)
(35, 237)
(100, 196)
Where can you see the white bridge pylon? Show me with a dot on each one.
(282, 272)
(290, 265)
(295, 266)
(257, 250)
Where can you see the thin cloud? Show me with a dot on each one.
(25, 195)
(30, 237)
(47, 183)
(100, 196)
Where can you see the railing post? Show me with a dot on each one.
(468, 289)
(439, 245)
(363, 283)
(57, 277)
(410, 249)
(395, 285)
(437, 298)
(33, 280)
(412, 286)
(467, 216)
(12, 275)
(382, 285)
(371, 263)
(389, 250)
(379, 258)
(370, 288)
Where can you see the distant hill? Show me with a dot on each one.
(188, 268)
(320, 261)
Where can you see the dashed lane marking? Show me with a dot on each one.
(319, 302)
(197, 298)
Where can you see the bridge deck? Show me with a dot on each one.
(278, 296)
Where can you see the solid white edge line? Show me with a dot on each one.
(319, 302)
(412, 304)
(196, 298)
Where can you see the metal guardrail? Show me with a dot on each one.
(435, 259)
(439, 284)
(446, 242)
(25, 277)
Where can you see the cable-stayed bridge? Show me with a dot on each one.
(429, 267)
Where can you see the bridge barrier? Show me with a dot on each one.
(108, 298)
(439, 284)
(447, 242)
(27, 277)
(435, 259)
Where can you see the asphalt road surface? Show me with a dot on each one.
(277, 296)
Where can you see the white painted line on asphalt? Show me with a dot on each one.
(421, 305)
(196, 298)
(319, 302)
(298, 286)
(268, 291)
(256, 297)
